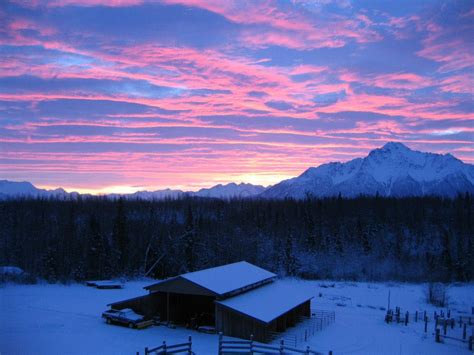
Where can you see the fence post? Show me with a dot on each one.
(220, 343)
(470, 342)
(406, 317)
(445, 326)
(330, 352)
(449, 313)
(307, 350)
(437, 338)
(282, 347)
(164, 347)
(146, 351)
(190, 339)
(251, 344)
(416, 316)
(426, 324)
(452, 323)
(464, 332)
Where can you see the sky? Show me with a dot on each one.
(126, 95)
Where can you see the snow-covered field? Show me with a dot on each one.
(58, 319)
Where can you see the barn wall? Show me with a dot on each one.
(237, 325)
(148, 305)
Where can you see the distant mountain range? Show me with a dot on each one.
(219, 191)
(15, 189)
(393, 170)
(12, 189)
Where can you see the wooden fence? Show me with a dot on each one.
(439, 338)
(396, 315)
(164, 349)
(306, 327)
(233, 347)
(442, 321)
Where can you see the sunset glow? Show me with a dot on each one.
(128, 95)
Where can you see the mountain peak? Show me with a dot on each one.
(392, 170)
(395, 146)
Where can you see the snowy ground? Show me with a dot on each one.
(57, 319)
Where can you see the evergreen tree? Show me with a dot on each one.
(189, 240)
(289, 259)
(50, 265)
(97, 256)
(120, 238)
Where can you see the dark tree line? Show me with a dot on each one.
(364, 238)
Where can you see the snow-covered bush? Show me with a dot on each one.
(15, 275)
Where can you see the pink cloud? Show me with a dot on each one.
(19, 24)
(405, 81)
(449, 47)
(459, 83)
(291, 27)
(82, 3)
(453, 54)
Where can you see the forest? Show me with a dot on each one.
(366, 238)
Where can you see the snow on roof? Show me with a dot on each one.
(267, 302)
(227, 278)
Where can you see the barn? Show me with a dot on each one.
(238, 299)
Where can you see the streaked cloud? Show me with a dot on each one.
(189, 93)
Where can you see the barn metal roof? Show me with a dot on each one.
(267, 302)
(226, 279)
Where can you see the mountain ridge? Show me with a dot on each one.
(392, 170)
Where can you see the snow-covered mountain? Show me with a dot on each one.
(151, 195)
(14, 189)
(393, 170)
(9, 189)
(230, 190)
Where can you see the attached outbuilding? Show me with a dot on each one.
(263, 312)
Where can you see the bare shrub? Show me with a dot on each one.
(437, 294)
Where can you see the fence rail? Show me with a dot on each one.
(165, 349)
(228, 347)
